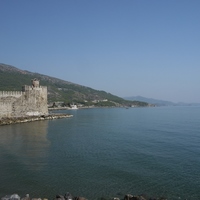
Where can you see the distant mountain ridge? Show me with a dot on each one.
(12, 79)
(159, 102)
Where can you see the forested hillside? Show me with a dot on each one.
(12, 79)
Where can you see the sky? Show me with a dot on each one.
(128, 48)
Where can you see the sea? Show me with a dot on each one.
(101, 153)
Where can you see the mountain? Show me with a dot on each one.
(150, 100)
(159, 102)
(12, 79)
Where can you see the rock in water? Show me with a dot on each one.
(68, 196)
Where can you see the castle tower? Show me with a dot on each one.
(35, 82)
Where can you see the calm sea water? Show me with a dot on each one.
(105, 153)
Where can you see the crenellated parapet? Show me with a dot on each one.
(16, 94)
(31, 88)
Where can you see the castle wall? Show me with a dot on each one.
(5, 109)
(31, 101)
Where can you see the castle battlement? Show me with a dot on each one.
(30, 88)
(16, 94)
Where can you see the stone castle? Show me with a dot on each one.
(31, 101)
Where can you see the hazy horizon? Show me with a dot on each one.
(127, 48)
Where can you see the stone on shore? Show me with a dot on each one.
(68, 196)
(11, 197)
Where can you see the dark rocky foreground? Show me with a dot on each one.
(68, 196)
(126, 197)
(17, 120)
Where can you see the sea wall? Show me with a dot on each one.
(18, 120)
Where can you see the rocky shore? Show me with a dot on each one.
(17, 120)
(68, 196)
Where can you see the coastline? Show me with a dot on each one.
(17, 120)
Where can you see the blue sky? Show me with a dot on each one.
(128, 48)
